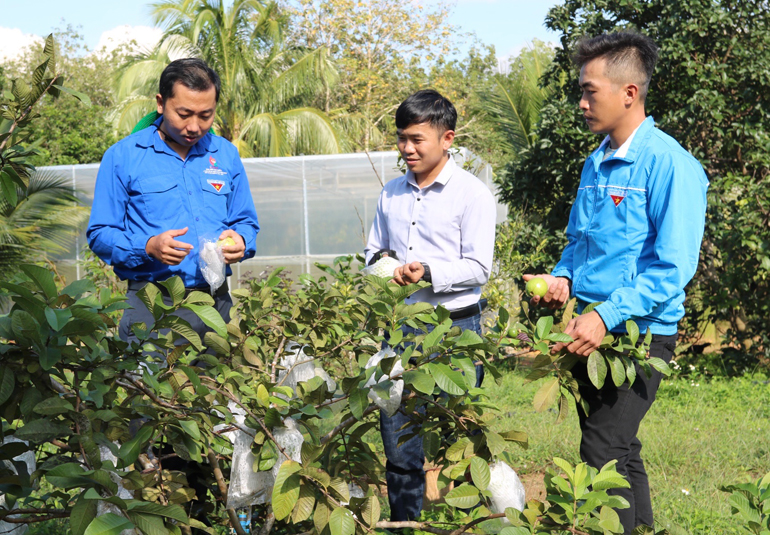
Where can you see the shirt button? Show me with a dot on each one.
(418, 198)
(197, 219)
(190, 192)
(410, 248)
(413, 223)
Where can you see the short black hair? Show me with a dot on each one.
(193, 73)
(427, 106)
(630, 56)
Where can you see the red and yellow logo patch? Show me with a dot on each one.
(216, 184)
(617, 199)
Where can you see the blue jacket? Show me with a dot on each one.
(635, 231)
(144, 188)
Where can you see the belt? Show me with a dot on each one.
(467, 312)
(138, 285)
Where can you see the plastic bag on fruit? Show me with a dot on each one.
(248, 487)
(384, 267)
(212, 262)
(506, 488)
(390, 406)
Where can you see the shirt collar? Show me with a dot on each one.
(443, 177)
(149, 138)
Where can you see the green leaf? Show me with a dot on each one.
(618, 370)
(82, 514)
(633, 331)
(53, 405)
(39, 431)
(7, 383)
(305, 504)
(463, 497)
(480, 473)
(456, 450)
(609, 480)
(42, 279)
(543, 327)
(660, 365)
(57, 318)
(546, 395)
(341, 522)
(468, 338)
(130, 450)
(286, 489)
(359, 401)
(67, 475)
(175, 288)
(432, 338)
(210, 316)
(108, 524)
(8, 188)
(191, 428)
(597, 369)
(175, 512)
(148, 524)
(448, 380)
(419, 381)
(82, 97)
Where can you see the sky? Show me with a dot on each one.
(508, 24)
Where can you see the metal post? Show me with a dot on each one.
(307, 223)
(77, 236)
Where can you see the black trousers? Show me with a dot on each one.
(610, 428)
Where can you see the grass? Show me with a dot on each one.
(697, 436)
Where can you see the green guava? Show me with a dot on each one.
(537, 286)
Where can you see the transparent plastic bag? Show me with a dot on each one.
(28, 459)
(391, 405)
(506, 488)
(384, 267)
(211, 260)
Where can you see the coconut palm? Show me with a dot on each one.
(266, 83)
(44, 221)
(514, 101)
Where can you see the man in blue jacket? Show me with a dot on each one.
(159, 190)
(634, 236)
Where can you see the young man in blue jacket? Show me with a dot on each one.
(160, 189)
(634, 236)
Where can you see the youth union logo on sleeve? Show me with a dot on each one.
(216, 184)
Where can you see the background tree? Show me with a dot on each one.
(267, 83)
(709, 92)
(376, 44)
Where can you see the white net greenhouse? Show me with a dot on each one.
(310, 208)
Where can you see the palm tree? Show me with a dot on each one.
(44, 221)
(266, 83)
(514, 101)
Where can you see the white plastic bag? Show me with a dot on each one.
(390, 406)
(384, 267)
(506, 488)
(212, 263)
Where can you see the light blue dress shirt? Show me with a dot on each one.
(449, 225)
(144, 188)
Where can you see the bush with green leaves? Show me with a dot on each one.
(750, 502)
(69, 389)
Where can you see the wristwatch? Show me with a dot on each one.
(426, 276)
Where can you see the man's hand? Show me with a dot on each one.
(408, 273)
(587, 331)
(233, 253)
(165, 248)
(557, 294)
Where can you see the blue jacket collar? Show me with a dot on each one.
(149, 138)
(635, 146)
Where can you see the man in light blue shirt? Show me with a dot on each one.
(439, 220)
(161, 189)
(634, 233)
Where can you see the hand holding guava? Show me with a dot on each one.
(232, 245)
(408, 274)
(165, 248)
(553, 296)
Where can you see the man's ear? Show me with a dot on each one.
(159, 102)
(631, 94)
(447, 138)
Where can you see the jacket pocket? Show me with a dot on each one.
(216, 191)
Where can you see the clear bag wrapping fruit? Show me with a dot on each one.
(212, 262)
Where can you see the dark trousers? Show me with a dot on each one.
(139, 313)
(196, 475)
(404, 469)
(609, 430)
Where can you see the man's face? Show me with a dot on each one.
(188, 114)
(423, 146)
(604, 102)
